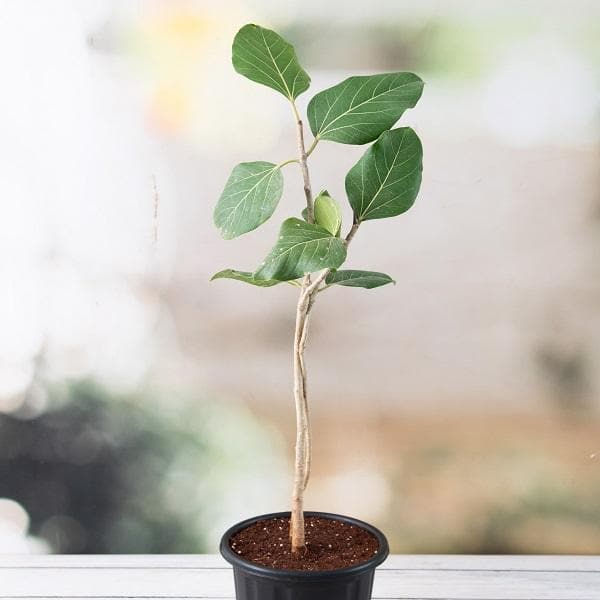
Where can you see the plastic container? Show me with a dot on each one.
(255, 582)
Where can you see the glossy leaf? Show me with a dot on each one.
(386, 179)
(301, 248)
(328, 213)
(244, 276)
(251, 194)
(361, 108)
(265, 57)
(363, 279)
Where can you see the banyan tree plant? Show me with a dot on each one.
(311, 247)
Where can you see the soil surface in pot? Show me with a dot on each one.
(330, 544)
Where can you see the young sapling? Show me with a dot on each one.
(310, 250)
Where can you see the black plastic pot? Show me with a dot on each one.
(254, 582)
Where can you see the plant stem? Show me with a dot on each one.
(313, 288)
(303, 441)
(310, 217)
(287, 162)
(352, 232)
(312, 146)
(309, 289)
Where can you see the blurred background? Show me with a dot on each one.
(144, 409)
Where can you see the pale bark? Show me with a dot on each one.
(302, 458)
(309, 289)
(303, 441)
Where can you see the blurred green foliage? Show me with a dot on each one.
(99, 473)
(457, 48)
(500, 500)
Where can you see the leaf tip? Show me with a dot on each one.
(247, 27)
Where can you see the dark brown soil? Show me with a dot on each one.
(330, 545)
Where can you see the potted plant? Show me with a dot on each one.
(300, 555)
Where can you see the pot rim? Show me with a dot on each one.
(231, 557)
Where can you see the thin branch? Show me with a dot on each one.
(312, 146)
(310, 214)
(323, 288)
(352, 232)
(287, 162)
(313, 288)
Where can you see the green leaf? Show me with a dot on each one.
(363, 279)
(361, 108)
(244, 276)
(386, 179)
(251, 194)
(265, 57)
(328, 213)
(302, 248)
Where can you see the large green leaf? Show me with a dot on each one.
(386, 179)
(328, 213)
(361, 108)
(302, 248)
(265, 57)
(244, 276)
(251, 194)
(363, 279)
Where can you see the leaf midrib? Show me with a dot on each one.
(290, 96)
(382, 183)
(361, 277)
(305, 243)
(377, 208)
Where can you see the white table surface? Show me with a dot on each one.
(208, 577)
